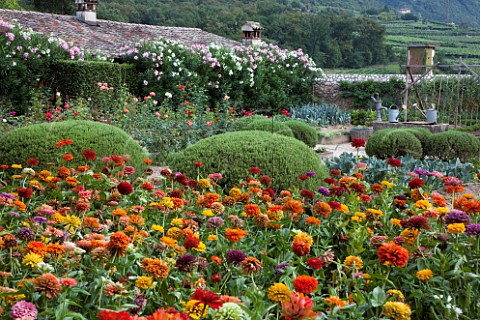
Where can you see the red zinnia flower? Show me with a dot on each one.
(358, 142)
(147, 186)
(391, 254)
(415, 183)
(334, 205)
(207, 297)
(89, 154)
(315, 263)
(307, 194)
(305, 284)
(32, 162)
(25, 193)
(198, 164)
(63, 142)
(125, 187)
(303, 177)
(330, 181)
(266, 180)
(335, 172)
(254, 170)
(191, 242)
(300, 248)
(113, 315)
(394, 162)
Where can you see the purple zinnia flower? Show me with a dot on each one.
(26, 234)
(214, 222)
(310, 173)
(421, 172)
(202, 263)
(140, 302)
(14, 214)
(39, 219)
(473, 229)
(186, 262)
(24, 310)
(235, 256)
(280, 269)
(457, 216)
(324, 191)
(7, 195)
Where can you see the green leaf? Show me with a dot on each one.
(378, 297)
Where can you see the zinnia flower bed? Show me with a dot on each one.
(92, 242)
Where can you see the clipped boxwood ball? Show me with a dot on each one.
(393, 143)
(421, 134)
(453, 144)
(243, 122)
(272, 126)
(232, 154)
(38, 141)
(303, 132)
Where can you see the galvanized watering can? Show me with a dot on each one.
(393, 114)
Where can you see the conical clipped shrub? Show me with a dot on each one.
(232, 154)
(38, 141)
(393, 143)
(452, 144)
(303, 132)
(270, 125)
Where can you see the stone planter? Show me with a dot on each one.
(361, 132)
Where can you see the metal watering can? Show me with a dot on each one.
(393, 114)
(429, 114)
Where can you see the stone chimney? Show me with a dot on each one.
(87, 11)
(252, 33)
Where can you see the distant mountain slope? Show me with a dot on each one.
(461, 12)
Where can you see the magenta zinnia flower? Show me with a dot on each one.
(24, 310)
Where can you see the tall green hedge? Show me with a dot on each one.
(38, 141)
(80, 78)
(282, 158)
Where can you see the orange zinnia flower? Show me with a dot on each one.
(118, 243)
(156, 267)
(235, 235)
(322, 208)
(36, 247)
(391, 254)
(305, 284)
(294, 206)
(252, 210)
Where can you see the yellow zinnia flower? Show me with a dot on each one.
(207, 213)
(425, 274)
(156, 227)
(396, 222)
(212, 237)
(167, 202)
(32, 259)
(387, 184)
(203, 183)
(278, 293)
(423, 204)
(353, 262)
(397, 310)
(456, 228)
(358, 217)
(304, 237)
(201, 247)
(397, 294)
(344, 208)
(410, 235)
(16, 166)
(177, 222)
(194, 309)
(144, 282)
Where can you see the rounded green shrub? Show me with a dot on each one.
(452, 144)
(270, 125)
(243, 122)
(394, 143)
(303, 132)
(38, 141)
(232, 154)
(421, 134)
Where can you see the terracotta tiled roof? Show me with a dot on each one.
(108, 36)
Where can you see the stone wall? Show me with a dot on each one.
(327, 88)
